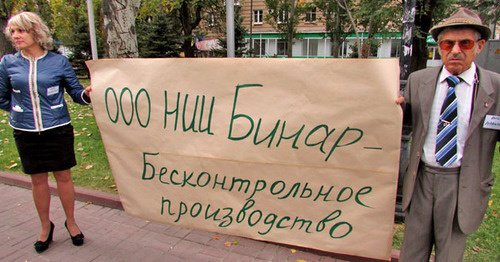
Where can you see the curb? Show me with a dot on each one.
(113, 201)
(81, 194)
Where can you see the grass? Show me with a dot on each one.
(93, 172)
(484, 244)
(93, 169)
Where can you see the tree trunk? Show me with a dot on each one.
(423, 23)
(5, 45)
(290, 21)
(358, 39)
(335, 29)
(119, 24)
(189, 22)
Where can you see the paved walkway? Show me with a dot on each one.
(112, 235)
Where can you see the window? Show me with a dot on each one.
(310, 47)
(373, 45)
(395, 47)
(282, 47)
(313, 47)
(211, 20)
(257, 16)
(282, 17)
(311, 15)
(259, 47)
(433, 53)
(343, 49)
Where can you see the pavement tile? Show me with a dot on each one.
(205, 258)
(159, 240)
(215, 252)
(237, 258)
(185, 249)
(112, 235)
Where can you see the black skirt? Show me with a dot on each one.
(47, 151)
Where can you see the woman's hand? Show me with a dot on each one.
(88, 89)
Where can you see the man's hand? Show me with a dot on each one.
(400, 100)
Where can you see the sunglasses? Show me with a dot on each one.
(447, 45)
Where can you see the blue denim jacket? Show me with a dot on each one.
(32, 90)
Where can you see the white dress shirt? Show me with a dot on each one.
(464, 92)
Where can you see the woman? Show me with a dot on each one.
(32, 85)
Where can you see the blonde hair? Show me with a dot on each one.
(31, 23)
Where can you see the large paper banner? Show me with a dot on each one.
(296, 151)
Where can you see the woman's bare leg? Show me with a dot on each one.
(41, 197)
(66, 191)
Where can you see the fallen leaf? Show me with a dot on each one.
(300, 260)
(293, 251)
(88, 167)
(12, 166)
(228, 244)
(80, 149)
(112, 186)
(490, 203)
(215, 237)
(106, 178)
(235, 242)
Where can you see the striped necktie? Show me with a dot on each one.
(446, 140)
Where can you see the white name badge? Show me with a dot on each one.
(492, 122)
(52, 90)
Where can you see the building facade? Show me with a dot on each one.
(312, 40)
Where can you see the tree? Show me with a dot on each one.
(187, 14)
(71, 29)
(427, 13)
(11, 7)
(377, 17)
(344, 5)
(284, 17)
(158, 35)
(336, 22)
(239, 34)
(6, 7)
(190, 14)
(119, 24)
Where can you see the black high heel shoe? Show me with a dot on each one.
(41, 246)
(78, 239)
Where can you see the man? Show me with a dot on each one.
(448, 180)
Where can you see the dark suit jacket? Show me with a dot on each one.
(476, 178)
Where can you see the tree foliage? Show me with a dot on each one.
(337, 24)
(239, 34)
(12, 7)
(158, 35)
(188, 14)
(284, 17)
(71, 29)
(377, 17)
(427, 13)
